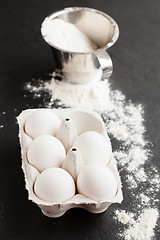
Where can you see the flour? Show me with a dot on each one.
(142, 229)
(125, 124)
(65, 35)
(92, 95)
(144, 198)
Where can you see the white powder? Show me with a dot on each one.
(125, 217)
(92, 96)
(144, 198)
(66, 36)
(142, 228)
(125, 125)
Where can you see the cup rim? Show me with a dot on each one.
(72, 9)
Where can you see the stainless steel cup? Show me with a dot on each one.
(101, 29)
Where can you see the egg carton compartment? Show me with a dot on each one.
(73, 123)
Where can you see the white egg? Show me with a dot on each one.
(43, 121)
(93, 147)
(54, 185)
(45, 152)
(97, 181)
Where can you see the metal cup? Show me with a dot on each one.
(101, 29)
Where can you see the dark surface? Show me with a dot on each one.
(23, 56)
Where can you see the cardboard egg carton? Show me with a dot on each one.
(73, 123)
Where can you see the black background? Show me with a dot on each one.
(24, 55)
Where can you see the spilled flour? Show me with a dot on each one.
(143, 227)
(125, 125)
(91, 96)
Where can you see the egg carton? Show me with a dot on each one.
(73, 123)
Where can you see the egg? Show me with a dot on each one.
(54, 185)
(97, 182)
(45, 152)
(43, 121)
(93, 147)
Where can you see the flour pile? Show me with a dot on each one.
(91, 96)
(56, 30)
(125, 125)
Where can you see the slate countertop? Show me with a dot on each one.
(23, 56)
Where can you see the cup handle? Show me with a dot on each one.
(105, 63)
